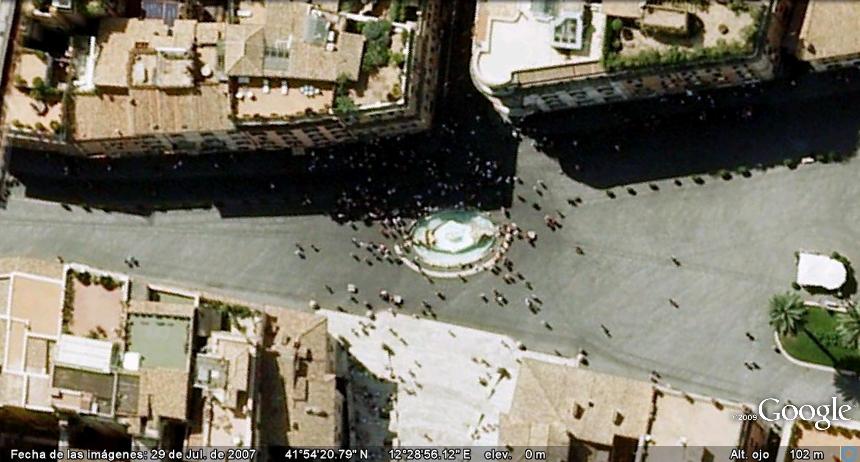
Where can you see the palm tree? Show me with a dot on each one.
(849, 327)
(787, 313)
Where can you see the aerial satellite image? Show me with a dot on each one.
(430, 230)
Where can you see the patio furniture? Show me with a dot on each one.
(285, 87)
(266, 88)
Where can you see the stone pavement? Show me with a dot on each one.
(735, 241)
(447, 378)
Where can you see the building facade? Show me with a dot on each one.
(617, 51)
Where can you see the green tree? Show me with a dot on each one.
(95, 8)
(377, 51)
(787, 313)
(378, 31)
(344, 106)
(375, 56)
(341, 84)
(849, 327)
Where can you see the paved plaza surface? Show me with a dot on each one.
(735, 241)
(448, 383)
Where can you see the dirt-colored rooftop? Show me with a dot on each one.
(118, 38)
(552, 401)
(694, 422)
(806, 436)
(312, 399)
(30, 66)
(97, 310)
(147, 111)
(829, 30)
(292, 23)
(164, 392)
(39, 301)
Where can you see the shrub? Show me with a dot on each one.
(84, 278)
(395, 11)
(55, 126)
(40, 127)
(20, 82)
(341, 85)
(616, 25)
(68, 303)
(738, 6)
(395, 93)
(108, 282)
(351, 6)
(377, 52)
(377, 31)
(375, 56)
(397, 59)
(344, 106)
(95, 8)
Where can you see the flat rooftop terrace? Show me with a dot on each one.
(503, 27)
(161, 340)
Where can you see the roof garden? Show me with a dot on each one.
(34, 101)
(680, 31)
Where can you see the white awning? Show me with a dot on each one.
(85, 353)
(820, 271)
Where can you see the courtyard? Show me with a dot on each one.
(97, 306)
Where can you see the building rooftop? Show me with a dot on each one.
(805, 435)
(553, 401)
(163, 393)
(310, 389)
(151, 77)
(829, 30)
(85, 353)
(122, 40)
(293, 42)
(147, 111)
(505, 26)
(647, 28)
(702, 426)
